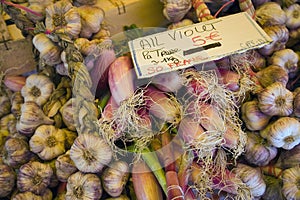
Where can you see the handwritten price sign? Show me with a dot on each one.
(199, 43)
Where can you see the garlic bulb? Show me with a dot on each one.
(290, 186)
(16, 152)
(276, 99)
(273, 190)
(34, 177)
(49, 51)
(4, 105)
(91, 19)
(63, 17)
(115, 177)
(252, 177)
(253, 118)
(293, 16)
(47, 195)
(270, 13)
(90, 153)
(38, 89)
(287, 59)
(31, 117)
(279, 35)
(83, 186)
(68, 114)
(64, 167)
(289, 158)
(258, 151)
(283, 133)
(48, 142)
(7, 180)
(16, 102)
(271, 74)
(174, 11)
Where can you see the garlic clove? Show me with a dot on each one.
(90, 153)
(83, 186)
(14, 83)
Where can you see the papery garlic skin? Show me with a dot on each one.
(31, 117)
(91, 19)
(29, 195)
(64, 167)
(68, 114)
(253, 118)
(34, 177)
(290, 187)
(279, 35)
(258, 151)
(90, 153)
(49, 51)
(287, 59)
(293, 16)
(252, 177)
(16, 152)
(38, 89)
(4, 105)
(115, 177)
(283, 133)
(270, 13)
(48, 142)
(7, 180)
(83, 186)
(276, 100)
(272, 74)
(63, 17)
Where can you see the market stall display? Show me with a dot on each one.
(85, 121)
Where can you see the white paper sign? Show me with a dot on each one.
(198, 43)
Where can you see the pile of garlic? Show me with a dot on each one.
(50, 145)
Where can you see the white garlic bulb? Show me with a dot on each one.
(48, 142)
(276, 100)
(49, 51)
(283, 133)
(83, 186)
(90, 153)
(38, 89)
(63, 17)
(91, 19)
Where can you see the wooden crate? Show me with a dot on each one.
(16, 55)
